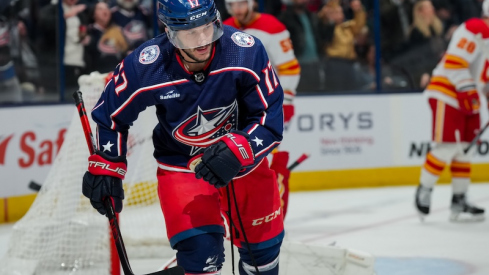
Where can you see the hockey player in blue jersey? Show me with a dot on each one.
(218, 101)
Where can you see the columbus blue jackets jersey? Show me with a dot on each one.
(238, 90)
(134, 24)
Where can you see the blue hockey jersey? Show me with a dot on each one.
(237, 90)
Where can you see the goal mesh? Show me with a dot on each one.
(61, 233)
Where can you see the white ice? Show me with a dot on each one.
(381, 221)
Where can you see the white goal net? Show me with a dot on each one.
(63, 235)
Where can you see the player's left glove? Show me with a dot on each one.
(222, 161)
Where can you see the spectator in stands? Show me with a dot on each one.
(304, 31)
(75, 21)
(395, 20)
(9, 84)
(390, 79)
(426, 38)
(341, 41)
(426, 25)
(306, 34)
(106, 46)
(134, 20)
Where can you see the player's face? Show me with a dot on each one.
(239, 10)
(196, 38)
(200, 54)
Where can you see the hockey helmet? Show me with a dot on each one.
(190, 23)
(228, 5)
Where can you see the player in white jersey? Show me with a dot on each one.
(276, 39)
(454, 94)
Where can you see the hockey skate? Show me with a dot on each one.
(462, 211)
(423, 201)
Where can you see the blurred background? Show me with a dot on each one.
(45, 44)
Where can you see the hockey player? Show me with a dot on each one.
(276, 39)
(217, 98)
(454, 94)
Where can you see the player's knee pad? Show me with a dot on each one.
(201, 254)
(266, 260)
(445, 151)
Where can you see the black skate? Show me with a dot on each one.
(462, 211)
(423, 201)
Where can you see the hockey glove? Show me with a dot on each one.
(222, 161)
(468, 101)
(104, 180)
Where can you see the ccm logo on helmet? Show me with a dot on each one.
(197, 16)
(267, 218)
(101, 165)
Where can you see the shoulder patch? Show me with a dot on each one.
(149, 54)
(243, 39)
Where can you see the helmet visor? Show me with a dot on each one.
(196, 37)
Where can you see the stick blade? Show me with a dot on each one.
(176, 270)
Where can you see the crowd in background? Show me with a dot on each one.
(332, 39)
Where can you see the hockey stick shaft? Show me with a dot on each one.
(302, 158)
(114, 225)
(476, 138)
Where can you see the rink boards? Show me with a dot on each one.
(353, 141)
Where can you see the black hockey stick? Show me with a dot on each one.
(114, 225)
(476, 138)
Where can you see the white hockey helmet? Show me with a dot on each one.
(250, 5)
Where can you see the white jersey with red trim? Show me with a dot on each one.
(276, 39)
(465, 64)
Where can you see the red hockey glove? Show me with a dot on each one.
(104, 179)
(468, 101)
(222, 161)
(289, 111)
(279, 165)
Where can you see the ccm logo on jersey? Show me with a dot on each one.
(267, 218)
(106, 166)
(197, 16)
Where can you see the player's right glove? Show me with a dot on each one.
(103, 180)
(222, 161)
(468, 101)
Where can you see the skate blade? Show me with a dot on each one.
(466, 217)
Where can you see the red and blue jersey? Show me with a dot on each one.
(237, 90)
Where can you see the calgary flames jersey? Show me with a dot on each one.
(465, 64)
(276, 39)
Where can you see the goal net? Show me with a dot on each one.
(62, 234)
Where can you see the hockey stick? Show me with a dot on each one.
(298, 161)
(476, 138)
(291, 167)
(114, 225)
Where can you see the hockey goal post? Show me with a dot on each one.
(62, 234)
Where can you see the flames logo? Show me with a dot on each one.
(205, 127)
